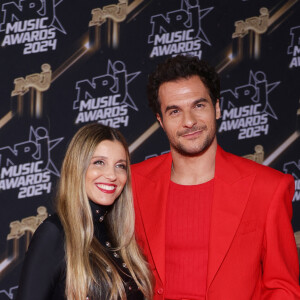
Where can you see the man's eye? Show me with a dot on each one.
(174, 112)
(199, 105)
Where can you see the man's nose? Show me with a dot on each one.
(189, 119)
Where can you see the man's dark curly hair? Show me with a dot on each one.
(179, 67)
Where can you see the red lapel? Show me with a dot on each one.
(231, 193)
(153, 199)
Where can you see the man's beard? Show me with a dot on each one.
(200, 147)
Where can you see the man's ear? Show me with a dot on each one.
(159, 120)
(218, 110)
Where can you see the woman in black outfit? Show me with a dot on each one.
(87, 250)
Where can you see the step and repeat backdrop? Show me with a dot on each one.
(68, 63)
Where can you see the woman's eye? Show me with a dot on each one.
(122, 166)
(99, 162)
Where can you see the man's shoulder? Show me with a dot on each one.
(153, 164)
(246, 165)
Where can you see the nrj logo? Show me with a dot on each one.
(247, 109)
(105, 99)
(179, 31)
(27, 166)
(293, 168)
(32, 23)
(294, 47)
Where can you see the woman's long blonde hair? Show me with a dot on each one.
(86, 260)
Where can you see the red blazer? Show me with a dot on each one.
(252, 250)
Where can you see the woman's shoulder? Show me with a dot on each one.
(50, 232)
(44, 264)
(52, 221)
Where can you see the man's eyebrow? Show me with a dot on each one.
(170, 107)
(199, 101)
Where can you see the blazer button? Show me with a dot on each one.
(160, 291)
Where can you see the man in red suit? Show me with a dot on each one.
(212, 225)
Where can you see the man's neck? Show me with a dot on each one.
(192, 170)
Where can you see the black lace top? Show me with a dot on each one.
(43, 274)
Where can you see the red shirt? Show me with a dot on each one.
(187, 237)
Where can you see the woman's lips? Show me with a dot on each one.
(106, 187)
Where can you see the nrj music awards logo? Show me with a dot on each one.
(32, 23)
(246, 109)
(27, 166)
(293, 168)
(179, 31)
(105, 98)
(294, 47)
